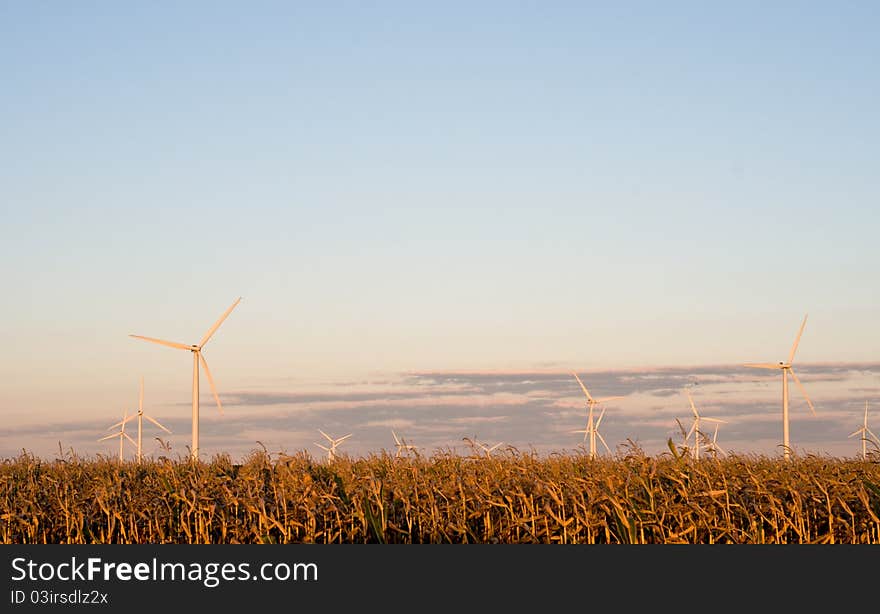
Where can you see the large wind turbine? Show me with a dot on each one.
(786, 368)
(197, 358)
(140, 416)
(695, 427)
(592, 430)
(867, 435)
(121, 434)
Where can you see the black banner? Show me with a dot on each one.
(177, 577)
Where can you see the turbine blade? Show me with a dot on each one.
(803, 391)
(797, 340)
(129, 438)
(156, 422)
(871, 433)
(691, 432)
(322, 447)
(599, 420)
(762, 365)
(343, 438)
(691, 399)
(110, 436)
(714, 420)
(396, 440)
(606, 399)
(330, 439)
(211, 381)
(720, 449)
(123, 421)
(861, 430)
(584, 388)
(170, 344)
(218, 323)
(602, 439)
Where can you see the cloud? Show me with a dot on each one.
(530, 410)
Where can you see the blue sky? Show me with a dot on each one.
(400, 188)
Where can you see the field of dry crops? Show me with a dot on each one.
(511, 498)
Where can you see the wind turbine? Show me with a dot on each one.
(140, 415)
(592, 430)
(714, 447)
(402, 446)
(487, 450)
(197, 358)
(334, 443)
(867, 435)
(121, 434)
(786, 368)
(695, 427)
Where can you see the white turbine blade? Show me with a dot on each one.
(343, 438)
(495, 446)
(170, 344)
(606, 399)
(322, 447)
(861, 430)
(599, 421)
(129, 438)
(218, 323)
(691, 399)
(762, 365)
(871, 433)
(714, 420)
(330, 439)
(602, 439)
(156, 423)
(797, 340)
(584, 388)
(110, 436)
(123, 421)
(691, 432)
(803, 392)
(396, 440)
(141, 396)
(211, 381)
(719, 448)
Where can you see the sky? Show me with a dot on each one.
(434, 213)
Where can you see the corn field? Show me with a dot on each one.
(510, 498)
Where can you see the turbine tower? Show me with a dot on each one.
(695, 427)
(592, 430)
(786, 368)
(197, 358)
(140, 416)
(867, 435)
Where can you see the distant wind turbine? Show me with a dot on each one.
(786, 368)
(334, 443)
(140, 415)
(714, 447)
(695, 427)
(488, 450)
(197, 358)
(867, 435)
(591, 430)
(121, 434)
(402, 446)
